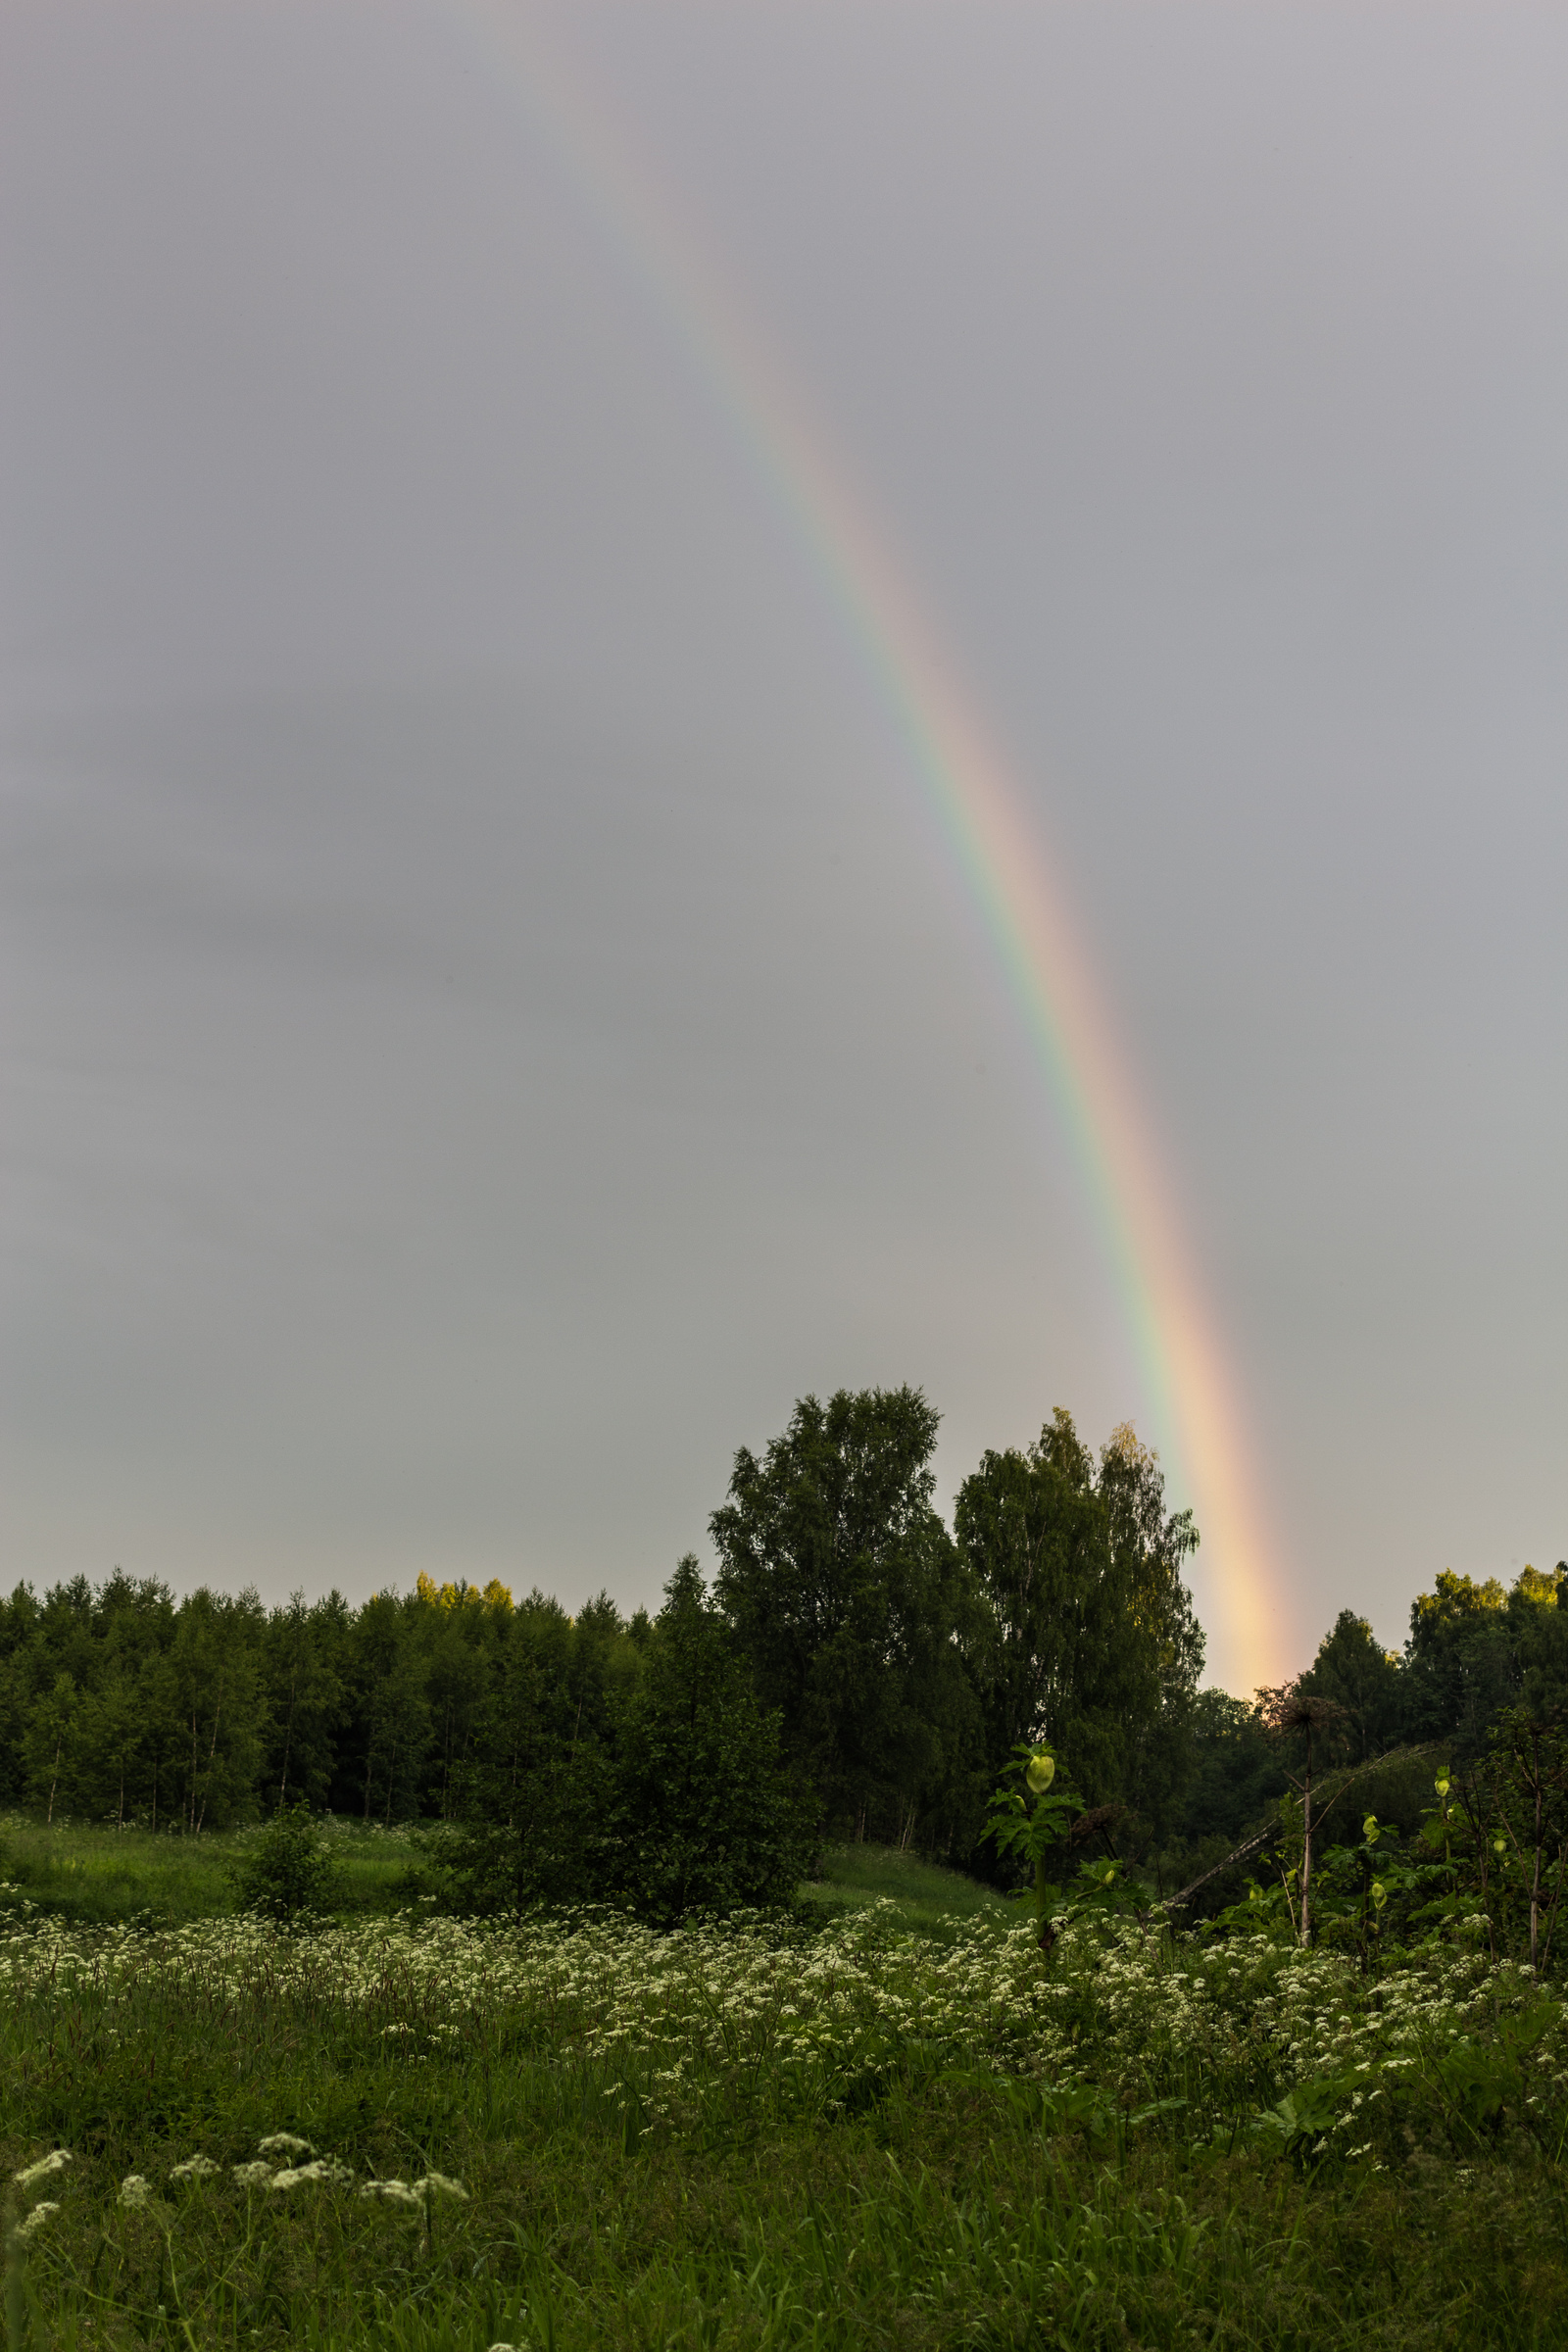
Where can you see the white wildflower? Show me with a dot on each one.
(136, 2190)
(194, 2168)
(55, 2162)
(283, 2143)
(326, 2168)
(252, 2176)
(394, 2192)
(37, 2218)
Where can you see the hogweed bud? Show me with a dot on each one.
(1041, 1772)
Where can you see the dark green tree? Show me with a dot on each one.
(221, 1702)
(303, 1656)
(51, 1744)
(1460, 1663)
(1238, 1773)
(845, 1593)
(1366, 1682)
(1093, 1645)
(288, 1873)
(1537, 1609)
(114, 1739)
(390, 1707)
(709, 1817)
(532, 1805)
(20, 1653)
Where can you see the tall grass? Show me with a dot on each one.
(925, 1898)
(765, 2137)
(99, 1873)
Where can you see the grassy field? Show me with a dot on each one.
(97, 1876)
(924, 1899)
(900, 2127)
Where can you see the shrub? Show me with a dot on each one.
(287, 1870)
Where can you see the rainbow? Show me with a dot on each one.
(982, 816)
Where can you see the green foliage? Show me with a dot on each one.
(1236, 1770)
(1364, 1681)
(1030, 1817)
(845, 1593)
(1460, 1661)
(286, 1871)
(1088, 1639)
(709, 1816)
(663, 1788)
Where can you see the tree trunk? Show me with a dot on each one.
(48, 1819)
(1306, 1845)
(288, 1738)
(1535, 1883)
(217, 1713)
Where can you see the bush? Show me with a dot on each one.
(288, 1870)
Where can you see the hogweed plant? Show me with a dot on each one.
(1032, 1815)
(1029, 1817)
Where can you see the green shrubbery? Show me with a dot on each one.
(286, 1872)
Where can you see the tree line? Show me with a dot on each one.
(859, 1667)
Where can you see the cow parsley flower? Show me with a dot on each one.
(325, 2168)
(283, 2143)
(136, 2190)
(194, 2168)
(35, 2219)
(55, 2162)
(393, 2192)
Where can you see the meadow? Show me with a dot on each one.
(886, 2121)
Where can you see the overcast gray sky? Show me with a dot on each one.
(485, 1022)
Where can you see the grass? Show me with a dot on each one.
(901, 2133)
(927, 1900)
(100, 1873)
(97, 1875)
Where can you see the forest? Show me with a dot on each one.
(856, 1670)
